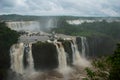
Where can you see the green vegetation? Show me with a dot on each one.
(7, 39)
(115, 64)
(103, 28)
(106, 68)
(17, 17)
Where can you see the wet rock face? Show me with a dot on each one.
(101, 46)
(79, 43)
(25, 56)
(44, 56)
(98, 45)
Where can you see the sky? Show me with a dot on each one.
(61, 7)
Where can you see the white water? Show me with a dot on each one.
(16, 53)
(41, 25)
(76, 54)
(78, 21)
(30, 59)
(77, 58)
(28, 73)
(24, 25)
(61, 55)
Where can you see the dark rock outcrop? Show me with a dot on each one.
(25, 56)
(44, 56)
(98, 45)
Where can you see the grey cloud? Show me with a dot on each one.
(62, 7)
(8, 3)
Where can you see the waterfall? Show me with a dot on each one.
(16, 53)
(84, 46)
(30, 58)
(77, 58)
(24, 25)
(76, 54)
(61, 55)
(41, 25)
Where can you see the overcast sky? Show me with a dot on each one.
(61, 7)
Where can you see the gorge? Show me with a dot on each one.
(41, 52)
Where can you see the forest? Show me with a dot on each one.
(102, 28)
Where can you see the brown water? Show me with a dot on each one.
(75, 73)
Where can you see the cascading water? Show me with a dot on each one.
(24, 25)
(30, 58)
(41, 25)
(61, 55)
(76, 54)
(16, 53)
(62, 60)
(84, 46)
(77, 58)
(17, 63)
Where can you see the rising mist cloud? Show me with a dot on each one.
(61, 7)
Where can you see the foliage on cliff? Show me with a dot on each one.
(7, 39)
(115, 64)
(106, 68)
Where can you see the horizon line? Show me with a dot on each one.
(56, 15)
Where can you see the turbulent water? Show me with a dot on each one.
(30, 58)
(17, 52)
(64, 72)
(76, 54)
(61, 55)
(78, 59)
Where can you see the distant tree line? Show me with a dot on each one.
(104, 28)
